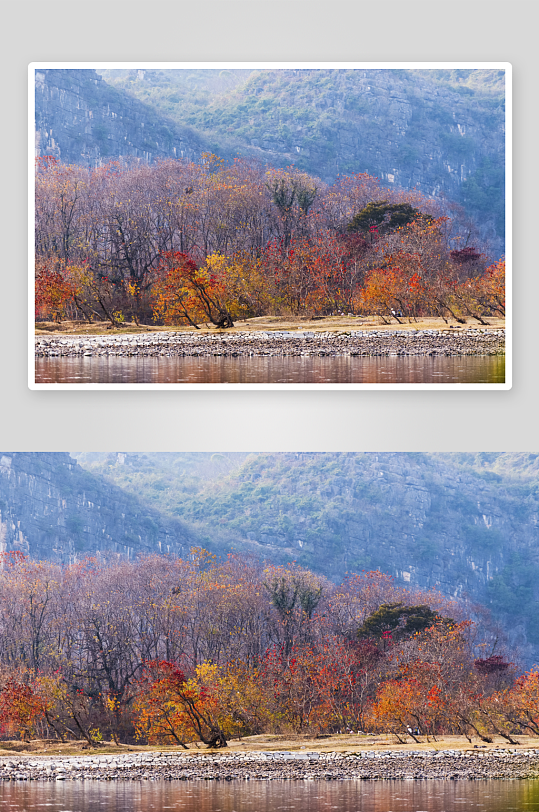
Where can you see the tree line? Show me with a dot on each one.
(178, 242)
(171, 651)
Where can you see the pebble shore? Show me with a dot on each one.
(451, 342)
(365, 765)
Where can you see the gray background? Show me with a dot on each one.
(296, 30)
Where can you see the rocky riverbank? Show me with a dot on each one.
(451, 342)
(281, 765)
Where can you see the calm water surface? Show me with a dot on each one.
(343, 369)
(274, 796)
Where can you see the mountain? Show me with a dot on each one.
(51, 508)
(442, 132)
(466, 524)
(81, 119)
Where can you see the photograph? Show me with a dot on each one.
(320, 621)
(274, 260)
(269, 225)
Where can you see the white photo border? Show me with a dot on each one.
(505, 66)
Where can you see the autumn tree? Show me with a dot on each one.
(53, 291)
(29, 597)
(61, 193)
(293, 194)
(186, 292)
(468, 259)
(311, 275)
(345, 680)
(245, 700)
(519, 703)
(411, 703)
(172, 708)
(295, 594)
(484, 295)
(20, 708)
(395, 291)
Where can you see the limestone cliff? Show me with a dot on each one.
(82, 119)
(50, 508)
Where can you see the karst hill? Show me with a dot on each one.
(441, 132)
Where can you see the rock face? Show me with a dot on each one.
(428, 525)
(399, 125)
(50, 508)
(80, 119)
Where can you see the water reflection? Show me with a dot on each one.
(343, 369)
(260, 796)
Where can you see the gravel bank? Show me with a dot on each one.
(244, 344)
(447, 764)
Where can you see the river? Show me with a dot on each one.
(468, 369)
(270, 796)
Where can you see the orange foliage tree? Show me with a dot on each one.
(396, 291)
(311, 273)
(185, 292)
(410, 703)
(516, 707)
(173, 709)
(484, 295)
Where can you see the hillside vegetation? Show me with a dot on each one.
(441, 131)
(463, 523)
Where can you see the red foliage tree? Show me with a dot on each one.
(184, 291)
(20, 708)
(53, 291)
